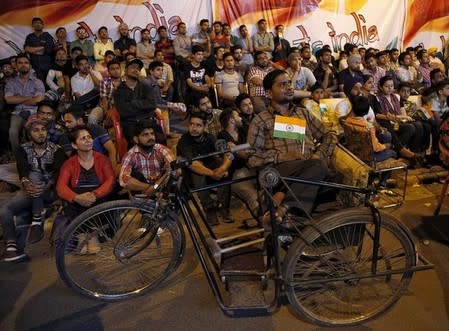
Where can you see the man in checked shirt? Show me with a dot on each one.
(306, 160)
(145, 162)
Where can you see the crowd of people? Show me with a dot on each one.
(57, 100)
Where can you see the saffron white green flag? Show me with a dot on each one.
(289, 127)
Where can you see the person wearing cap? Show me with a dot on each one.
(38, 163)
(352, 73)
(39, 45)
(24, 91)
(135, 101)
(124, 44)
(434, 60)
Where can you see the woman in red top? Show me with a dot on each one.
(87, 177)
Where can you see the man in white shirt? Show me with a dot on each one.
(85, 84)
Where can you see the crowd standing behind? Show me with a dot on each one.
(232, 87)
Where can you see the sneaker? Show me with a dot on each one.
(211, 217)
(225, 216)
(13, 254)
(36, 233)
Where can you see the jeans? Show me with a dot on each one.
(246, 190)
(22, 202)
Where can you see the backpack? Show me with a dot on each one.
(444, 138)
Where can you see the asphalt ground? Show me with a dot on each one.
(34, 298)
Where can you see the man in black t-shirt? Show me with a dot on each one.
(198, 142)
(195, 74)
(40, 46)
(124, 44)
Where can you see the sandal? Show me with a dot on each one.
(279, 215)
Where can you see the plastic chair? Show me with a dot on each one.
(120, 140)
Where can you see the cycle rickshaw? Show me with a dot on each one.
(339, 269)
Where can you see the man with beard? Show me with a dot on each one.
(352, 73)
(39, 45)
(203, 105)
(84, 43)
(229, 82)
(24, 91)
(246, 111)
(55, 77)
(198, 142)
(256, 74)
(240, 66)
(124, 44)
(301, 158)
(145, 162)
(38, 162)
(135, 101)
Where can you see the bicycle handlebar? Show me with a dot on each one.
(185, 162)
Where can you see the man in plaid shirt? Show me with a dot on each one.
(255, 76)
(292, 158)
(145, 162)
(108, 85)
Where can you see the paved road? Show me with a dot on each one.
(33, 298)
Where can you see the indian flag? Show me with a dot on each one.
(289, 127)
